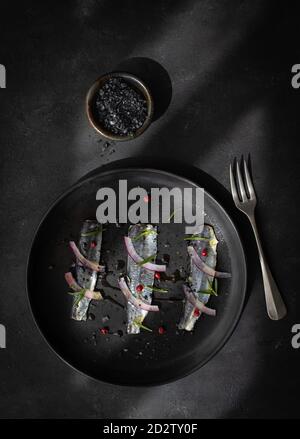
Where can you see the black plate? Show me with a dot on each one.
(147, 358)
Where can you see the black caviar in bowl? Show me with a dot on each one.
(119, 106)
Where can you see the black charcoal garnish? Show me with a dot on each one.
(120, 108)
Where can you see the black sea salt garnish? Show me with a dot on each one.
(120, 109)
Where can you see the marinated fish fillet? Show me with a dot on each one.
(90, 247)
(146, 246)
(198, 280)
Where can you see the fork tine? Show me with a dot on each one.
(241, 183)
(249, 182)
(233, 187)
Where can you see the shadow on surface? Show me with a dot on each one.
(155, 77)
(235, 86)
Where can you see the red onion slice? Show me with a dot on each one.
(93, 295)
(138, 303)
(138, 259)
(72, 282)
(204, 267)
(89, 264)
(197, 303)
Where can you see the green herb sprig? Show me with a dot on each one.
(144, 233)
(94, 232)
(145, 261)
(196, 238)
(212, 290)
(141, 326)
(78, 295)
(157, 290)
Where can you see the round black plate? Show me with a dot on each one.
(147, 358)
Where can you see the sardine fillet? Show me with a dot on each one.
(145, 247)
(197, 280)
(87, 278)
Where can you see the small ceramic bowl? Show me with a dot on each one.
(137, 84)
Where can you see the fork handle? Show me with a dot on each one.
(275, 305)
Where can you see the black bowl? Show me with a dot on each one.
(137, 84)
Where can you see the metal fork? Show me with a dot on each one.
(245, 200)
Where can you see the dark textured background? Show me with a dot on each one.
(230, 65)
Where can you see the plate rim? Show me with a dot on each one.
(225, 338)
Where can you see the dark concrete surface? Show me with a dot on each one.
(229, 65)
